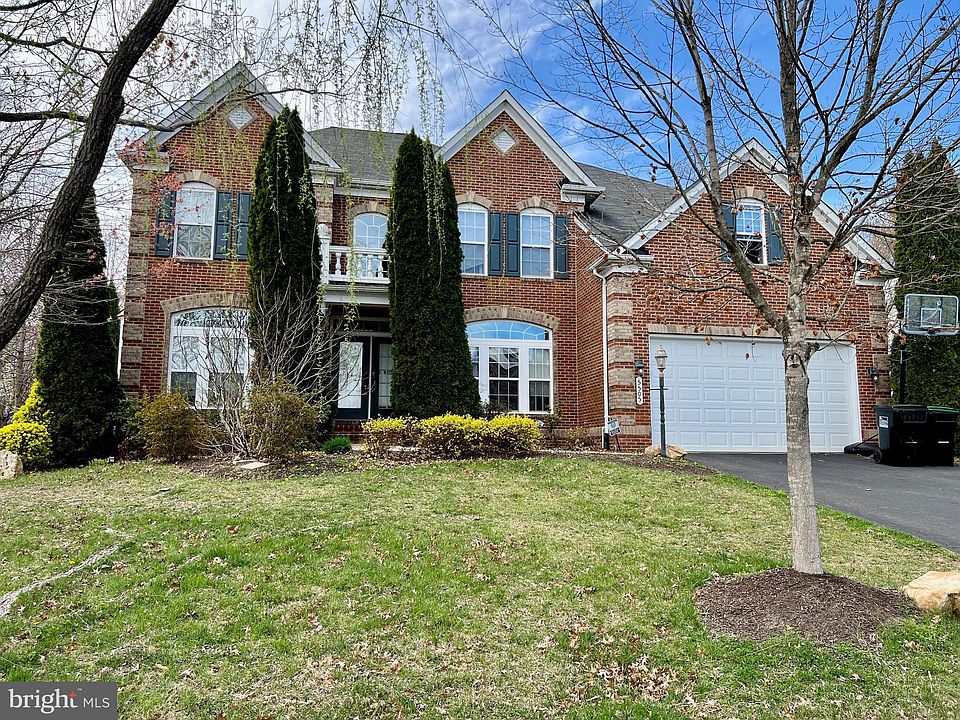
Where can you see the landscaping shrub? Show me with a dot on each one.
(452, 436)
(279, 420)
(337, 446)
(32, 410)
(171, 428)
(381, 434)
(30, 440)
(511, 436)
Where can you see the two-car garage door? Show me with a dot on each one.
(726, 394)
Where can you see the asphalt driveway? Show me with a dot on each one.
(922, 501)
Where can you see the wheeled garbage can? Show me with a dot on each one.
(915, 435)
(941, 441)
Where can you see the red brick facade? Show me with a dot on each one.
(212, 151)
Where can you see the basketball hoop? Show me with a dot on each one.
(932, 315)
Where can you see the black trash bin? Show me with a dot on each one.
(903, 433)
(940, 442)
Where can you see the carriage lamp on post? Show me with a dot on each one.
(661, 358)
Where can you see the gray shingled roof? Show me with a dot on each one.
(625, 206)
(366, 155)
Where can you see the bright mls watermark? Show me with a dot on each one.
(76, 701)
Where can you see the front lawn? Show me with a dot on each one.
(547, 587)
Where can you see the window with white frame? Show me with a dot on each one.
(536, 243)
(751, 233)
(369, 236)
(513, 365)
(209, 355)
(472, 220)
(195, 217)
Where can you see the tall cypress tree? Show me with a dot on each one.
(459, 387)
(927, 258)
(412, 288)
(284, 260)
(76, 355)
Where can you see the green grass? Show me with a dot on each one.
(540, 588)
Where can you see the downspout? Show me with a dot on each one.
(606, 384)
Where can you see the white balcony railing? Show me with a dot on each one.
(361, 265)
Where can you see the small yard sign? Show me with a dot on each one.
(613, 427)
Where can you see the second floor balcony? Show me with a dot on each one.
(343, 264)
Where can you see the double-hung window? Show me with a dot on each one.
(751, 234)
(513, 365)
(536, 243)
(196, 215)
(472, 220)
(209, 355)
(369, 237)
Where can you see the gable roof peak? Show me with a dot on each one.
(505, 102)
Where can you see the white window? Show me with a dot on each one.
(195, 215)
(209, 355)
(536, 243)
(751, 232)
(473, 238)
(368, 258)
(513, 364)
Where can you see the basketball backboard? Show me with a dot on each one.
(930, 314)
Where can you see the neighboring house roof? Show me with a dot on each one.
(626, 205)
(506, 103)
(367, 156)
(755, 153)
(239, 77)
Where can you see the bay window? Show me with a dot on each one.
(209, 355)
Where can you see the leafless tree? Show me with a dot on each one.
(836, 91)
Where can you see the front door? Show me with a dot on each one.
(365, 371)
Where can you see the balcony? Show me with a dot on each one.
(344, 264)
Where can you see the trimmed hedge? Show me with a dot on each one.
(456, 436)
(30, 440)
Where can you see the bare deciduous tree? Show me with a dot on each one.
(836, 91)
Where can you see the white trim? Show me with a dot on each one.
(480, 210)
(239, 77)
(200, 187)
(506, 103)
(537, 212)
(757, 204)
(755, 153)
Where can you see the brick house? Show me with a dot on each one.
(570, 278)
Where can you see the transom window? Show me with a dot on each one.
(536, 243)
(369, 231)
(512, 362)
(209, 355)
(196, 214)
(472, 220)
(751, 234)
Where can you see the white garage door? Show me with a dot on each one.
(727, 395)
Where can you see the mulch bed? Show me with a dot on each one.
(827, 609)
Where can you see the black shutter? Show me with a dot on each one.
(513, 244)
(221, 230)
(166, 216)
(774, 218)
(561, 259)
(243, 220)
(731, 220)
(495, 244)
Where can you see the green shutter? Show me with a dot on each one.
(243, 220)
(731, 219)
(513, 244)
(495, 243)
(774, 218)
(221, 230)
(561, 245)
(166, 216)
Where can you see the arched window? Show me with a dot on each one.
(513, 364)
(369, 231)
(536, 243)
(751, 231)
(472, 220)
(209, 355)
(196, 214)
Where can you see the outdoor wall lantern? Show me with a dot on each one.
(873, 374)
(661, 358)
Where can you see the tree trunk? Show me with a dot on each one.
(796, 356)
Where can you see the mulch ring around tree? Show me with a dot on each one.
(826, 609)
